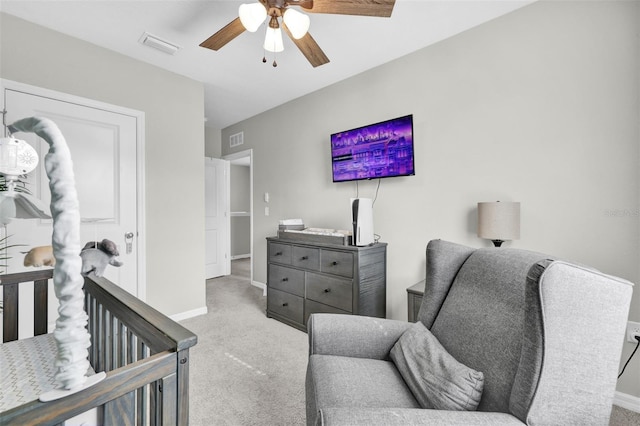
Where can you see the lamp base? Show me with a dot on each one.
(497, 243)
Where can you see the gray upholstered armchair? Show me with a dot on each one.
(545, 336)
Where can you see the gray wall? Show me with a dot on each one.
(539, 106)
(174, 260)
(240, 202)
(212, 143)
(240, 236)
(239, 197)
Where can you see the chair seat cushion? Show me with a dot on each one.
(437, 379)
(358, 382)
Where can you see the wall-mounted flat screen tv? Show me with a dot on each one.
(375, 151)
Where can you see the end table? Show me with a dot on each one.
(414, 299)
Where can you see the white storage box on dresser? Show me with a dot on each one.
(310, 277)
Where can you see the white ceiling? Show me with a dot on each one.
(237, 84)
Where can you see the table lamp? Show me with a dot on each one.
(499, 221)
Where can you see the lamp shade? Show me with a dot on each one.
(18, 205)
(273, 40)
(298, 23)
(499, 220)
(252, 16)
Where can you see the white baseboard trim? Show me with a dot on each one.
(627, 401)
(259, 284)
(240, 256)
(189, 314)
(263, 286)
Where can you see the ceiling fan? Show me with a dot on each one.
(296, 24)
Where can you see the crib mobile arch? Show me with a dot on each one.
(71, 335)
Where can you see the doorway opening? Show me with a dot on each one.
(241, 207)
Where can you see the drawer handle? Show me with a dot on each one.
(285, 279)
(304, 258)
(285, 304)
(327, 290)
(278, 253)
(334, 263)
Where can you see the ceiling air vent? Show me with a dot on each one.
(236, 139)
(158, 43)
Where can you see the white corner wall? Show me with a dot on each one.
(174, 111)
(212, 143)
(539, 106)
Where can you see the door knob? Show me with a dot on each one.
(128, 239)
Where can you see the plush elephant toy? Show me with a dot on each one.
(97, 255)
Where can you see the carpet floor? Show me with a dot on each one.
(248, 369)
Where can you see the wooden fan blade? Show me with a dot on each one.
(308, 47)
(381, 8)
(305, 4)
(230, 31)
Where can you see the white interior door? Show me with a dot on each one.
(103, 147)
(217, 220)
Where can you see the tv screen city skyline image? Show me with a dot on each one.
(375, 151)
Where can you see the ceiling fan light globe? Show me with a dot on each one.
(298, 23)
(273, 40)
(252, 16)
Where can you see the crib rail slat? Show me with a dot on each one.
(40, 307)
(107, 341)
(143, 394)
(92, 309)
(98, 338)
(9, 312)
(169, 400)
(120, 411)
(122, 345)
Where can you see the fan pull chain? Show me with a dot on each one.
(264, 59)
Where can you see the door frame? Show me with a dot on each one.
(140, 155)
(236, 156)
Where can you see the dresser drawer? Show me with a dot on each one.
(305, 257)
(336, 262)
(330, 291)
(286, 305)
(311, 307)
(286, 279)
(280, 253)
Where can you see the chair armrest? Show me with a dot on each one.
(353, 335)
(575, 316)
(352, 416)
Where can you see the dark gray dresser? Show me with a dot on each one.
(305, 278)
